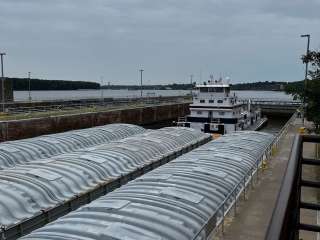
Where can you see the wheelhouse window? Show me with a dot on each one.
(220, 101)
(202, 101)
(203, 89)
(211, 101)
(215, 89)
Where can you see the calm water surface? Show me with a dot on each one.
(275, 124)
(83, 94)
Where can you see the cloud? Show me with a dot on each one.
(299, 9)
(85, 39)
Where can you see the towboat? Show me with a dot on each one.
(216, 110)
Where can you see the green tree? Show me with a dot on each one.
(313, 100)
(313, 58)
(312, 92)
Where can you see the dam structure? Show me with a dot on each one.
(127, 177)
(31, 119)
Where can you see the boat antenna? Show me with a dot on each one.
(191, 84)
(220, 78)
(211, 78)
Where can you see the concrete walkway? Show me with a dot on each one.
(253, 215)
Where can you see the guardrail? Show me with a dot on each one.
(97, 103)
(295, 104)
(285, 222)
(218, 218)
(284, 130)
(280, 102)
(271, 99)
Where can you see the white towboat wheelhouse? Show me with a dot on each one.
(216, 110)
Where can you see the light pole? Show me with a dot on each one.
(2, 81)
(101, 84)
(29, 83)
(191, 77)
(141, 71)
(305, 76)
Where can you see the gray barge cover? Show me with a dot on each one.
(26, 150)
(172, 202)
(40, 187)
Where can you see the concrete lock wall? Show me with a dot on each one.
(19, 129)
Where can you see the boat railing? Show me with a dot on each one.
(216, 121)
(182, 119)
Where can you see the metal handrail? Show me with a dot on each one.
(271, 99)
(268, 102)
(285, 220)
(241, 186)
(233, 196)
(284, 130)
(95, 104)
(280, 213)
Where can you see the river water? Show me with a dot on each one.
(275, 124)
(106, 93)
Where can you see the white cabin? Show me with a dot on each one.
(216, 110)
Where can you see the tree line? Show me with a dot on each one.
(264, 86)
(269, 86)
(22, 84)
(174, 86)
(309, 90)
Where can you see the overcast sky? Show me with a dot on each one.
(247, 40)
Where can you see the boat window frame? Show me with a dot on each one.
(201, 89)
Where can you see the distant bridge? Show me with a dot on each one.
(275, 106)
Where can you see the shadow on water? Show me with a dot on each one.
(275, 123)
(159, 125)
